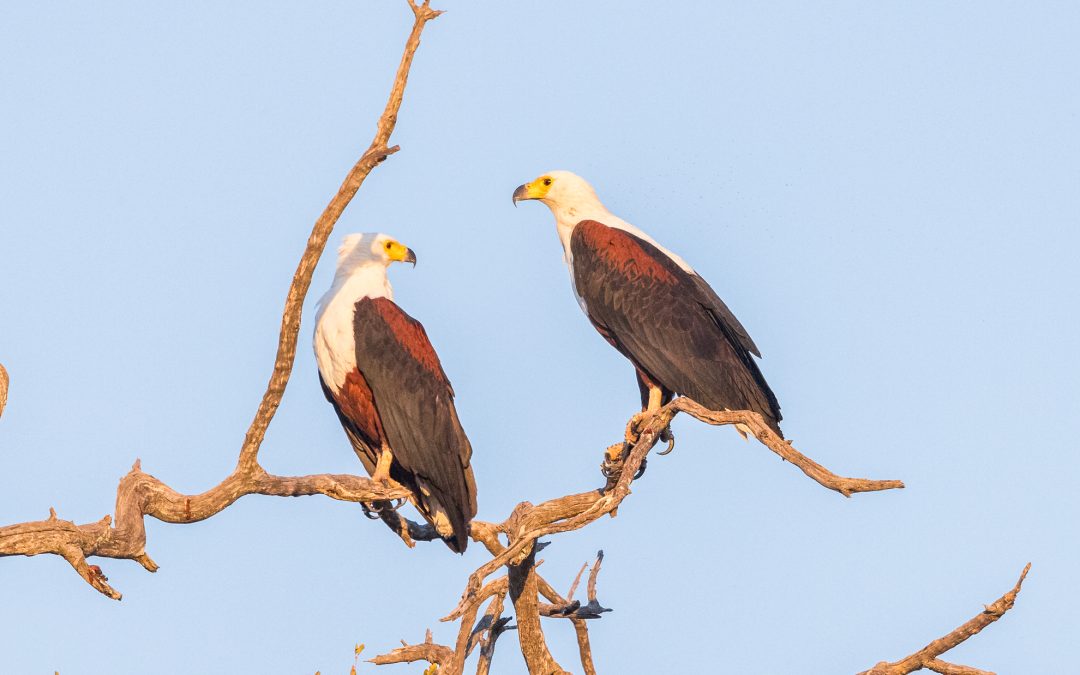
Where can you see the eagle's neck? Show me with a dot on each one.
(567, 216)
(366, 280)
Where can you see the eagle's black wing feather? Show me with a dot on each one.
(416, 407)
(661, 318)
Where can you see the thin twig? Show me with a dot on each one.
(3, 388)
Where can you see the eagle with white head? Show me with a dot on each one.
(384, 379)
(651, 306)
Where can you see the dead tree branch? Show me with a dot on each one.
(425, 651)
(528, 523)
(524, 593)
(142, 495)
(3, 388)
(927, 657)
(294, 301)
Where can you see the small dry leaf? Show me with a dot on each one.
(359, 648)
(352, 671)
(432, 669)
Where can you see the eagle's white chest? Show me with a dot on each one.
(335, 328)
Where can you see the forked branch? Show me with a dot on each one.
(528, 523)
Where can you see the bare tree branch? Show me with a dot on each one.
(769, 438)
(425, 651)
(3, 388)
(294, 301)
(523, 593)
(939, 666)
(487, 631)
(528, 523)
(140, 494)
(927, 657)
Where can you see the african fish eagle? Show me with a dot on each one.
(381, 374)
(652, 306)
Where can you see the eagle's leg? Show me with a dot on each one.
(382, 467)
(650, 405)
(653, 398)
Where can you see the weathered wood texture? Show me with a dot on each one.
(927, 657)
(525, 526)
(3, 388)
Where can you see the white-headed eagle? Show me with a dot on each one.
(652, 306)
(381, 374)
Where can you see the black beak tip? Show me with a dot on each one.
(410, 257)
(519, 194)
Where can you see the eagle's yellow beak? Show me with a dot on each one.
(399, 253)
(537, 189)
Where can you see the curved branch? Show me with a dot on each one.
(294, 301)
(770, 439)
(927, 657)
(141, 494)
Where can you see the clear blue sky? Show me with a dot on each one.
(885, 193)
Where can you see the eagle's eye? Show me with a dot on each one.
(389, 245)
(547, 181)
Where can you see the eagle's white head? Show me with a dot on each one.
(571, 200)
(361, 269)
(370, 249)
(560, 191)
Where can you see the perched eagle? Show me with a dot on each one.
(652, 306)
(381, 374)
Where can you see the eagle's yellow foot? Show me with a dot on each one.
(611, 467)
(632, 427)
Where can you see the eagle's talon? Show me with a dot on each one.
(669, 436)
(609, 469)
(641, 469)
